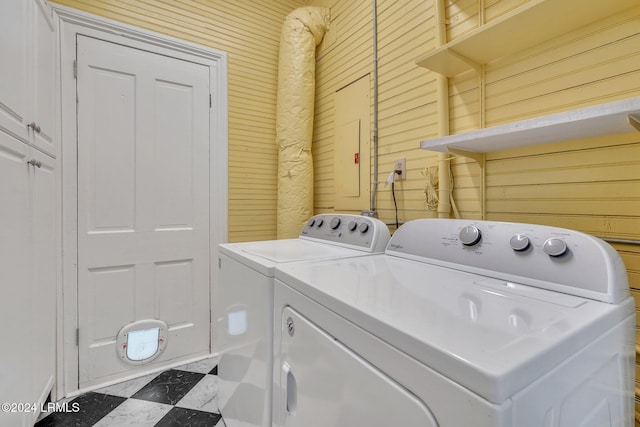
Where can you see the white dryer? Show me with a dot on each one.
(244, 305)
(459, 323)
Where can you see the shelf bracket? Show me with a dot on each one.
(470, 62)
(478, 157)
(634, 121)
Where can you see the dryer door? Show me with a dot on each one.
(324, 383)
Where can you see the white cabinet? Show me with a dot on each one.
(27, 276)
(27, 75)
(28, 218)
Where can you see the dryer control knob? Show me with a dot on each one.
(554, 247)
(352, 225)
(335, 223)
(470, 235)
(519, 242)
(364, 227)
(311, 222)
(320, 222)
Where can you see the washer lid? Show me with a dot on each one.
(264, 256)
(491, 336)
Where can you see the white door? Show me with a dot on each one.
(143, 203)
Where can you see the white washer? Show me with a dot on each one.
(244, 305)
(459, 323)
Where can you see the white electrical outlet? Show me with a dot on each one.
(400, 168)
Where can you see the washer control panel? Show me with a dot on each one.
(354, 231)
(548, 257)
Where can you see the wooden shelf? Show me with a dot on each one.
(529, 25)
(599, 120)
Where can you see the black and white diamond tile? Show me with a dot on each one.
(183, 396)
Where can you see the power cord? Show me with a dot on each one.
(393, 193)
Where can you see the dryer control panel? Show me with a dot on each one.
(546, 257)
(352, 231)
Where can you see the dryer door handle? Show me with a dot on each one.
(291, 390)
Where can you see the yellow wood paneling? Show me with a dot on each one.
(341, 59)
(406, 95)
(463, 16)
(591, 185)
(249, 32)
(496, 8)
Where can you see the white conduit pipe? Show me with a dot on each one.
(444, 177)
(302, 31)
(374, 189)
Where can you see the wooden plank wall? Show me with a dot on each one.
(407, 110)
(590, 185)
(249, 31)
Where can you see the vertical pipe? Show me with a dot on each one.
(374, 189)
(483, 122)
(302, 31)
(444, 178)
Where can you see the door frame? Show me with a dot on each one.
(72, 23)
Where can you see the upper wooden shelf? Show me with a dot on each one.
(526, 26)
(599, 120)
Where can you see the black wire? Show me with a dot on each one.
(393, 193)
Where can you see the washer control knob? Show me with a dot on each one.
(470, 235)
(335, 223)
(364, 227)
(352, 225)
(554, 247)
(519, 242)
(311, 222)
(319, 222)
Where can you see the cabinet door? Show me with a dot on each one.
(15, 282)
(44, 77)
(14, 72)
(43, 271)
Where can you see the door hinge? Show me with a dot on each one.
(75, 69)
(209, 100)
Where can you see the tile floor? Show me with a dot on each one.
(183, 396)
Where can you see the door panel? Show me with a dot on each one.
(44, 70)
(174, 183)
(16, 309)
(143, 202)
(109, 150)
(352, 155)
(14, 75)
(44, 218)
